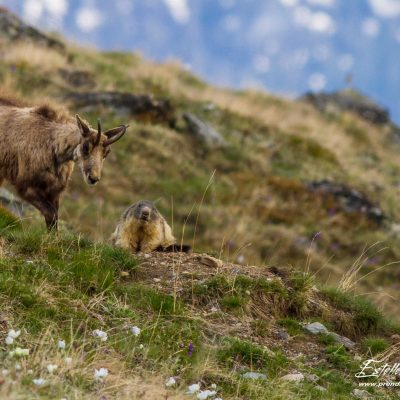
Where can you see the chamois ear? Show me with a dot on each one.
(83, 128)
(115, 134)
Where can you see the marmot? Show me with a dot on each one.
(143, 228)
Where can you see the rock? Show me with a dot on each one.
(12, 28)
(348, 100)
(395, 338)
(312, 377)
(320, 388)
(254, 375)
(9, 201)
(361, 394)
(282, 334)
(78, 78)
(210, 261)
(202, 131)
(297, 377)
(316, 328)
(350, 200)
(346, 342)
(143, 107)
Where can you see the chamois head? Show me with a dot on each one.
(94, 148)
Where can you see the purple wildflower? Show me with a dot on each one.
(191, 349)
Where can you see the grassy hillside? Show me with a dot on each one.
(257, 204)
(198, 324)
(249, 201)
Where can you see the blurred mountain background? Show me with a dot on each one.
(284, 46)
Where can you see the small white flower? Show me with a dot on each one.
(30, 371)
(29, 261)
(205, 394)
(100, 334)
(51, 368)
(213, 386)
(17, 367)
(170, 382)
(101, 373)
(135, 330)
(192, 389)
(13, 334)
(61, 344)
(141, 347)
(39, 381)
(9, 340)
(68, 360)
(18, 352)
(4, 372)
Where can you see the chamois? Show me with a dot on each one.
(39, 147)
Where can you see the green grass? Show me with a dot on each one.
(337, 356)
(240, 352)
(326, 339)
(366, 318)
(292, 326)
(8, 220)
(373, 345)
(232, 302)
(301, 284)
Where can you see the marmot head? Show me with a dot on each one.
(145, 211)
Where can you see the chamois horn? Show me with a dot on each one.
(98, 131)
(115, 134)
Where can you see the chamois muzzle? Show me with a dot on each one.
(92, 180)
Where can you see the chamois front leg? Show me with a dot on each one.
(47, 205)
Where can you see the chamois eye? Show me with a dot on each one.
(85, 149)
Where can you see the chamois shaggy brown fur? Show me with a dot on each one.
(143, 228)
(38, 149)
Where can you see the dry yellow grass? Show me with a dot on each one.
(48, 60)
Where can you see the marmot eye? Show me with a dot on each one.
(85, 149)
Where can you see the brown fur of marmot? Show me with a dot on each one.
(143, 229)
